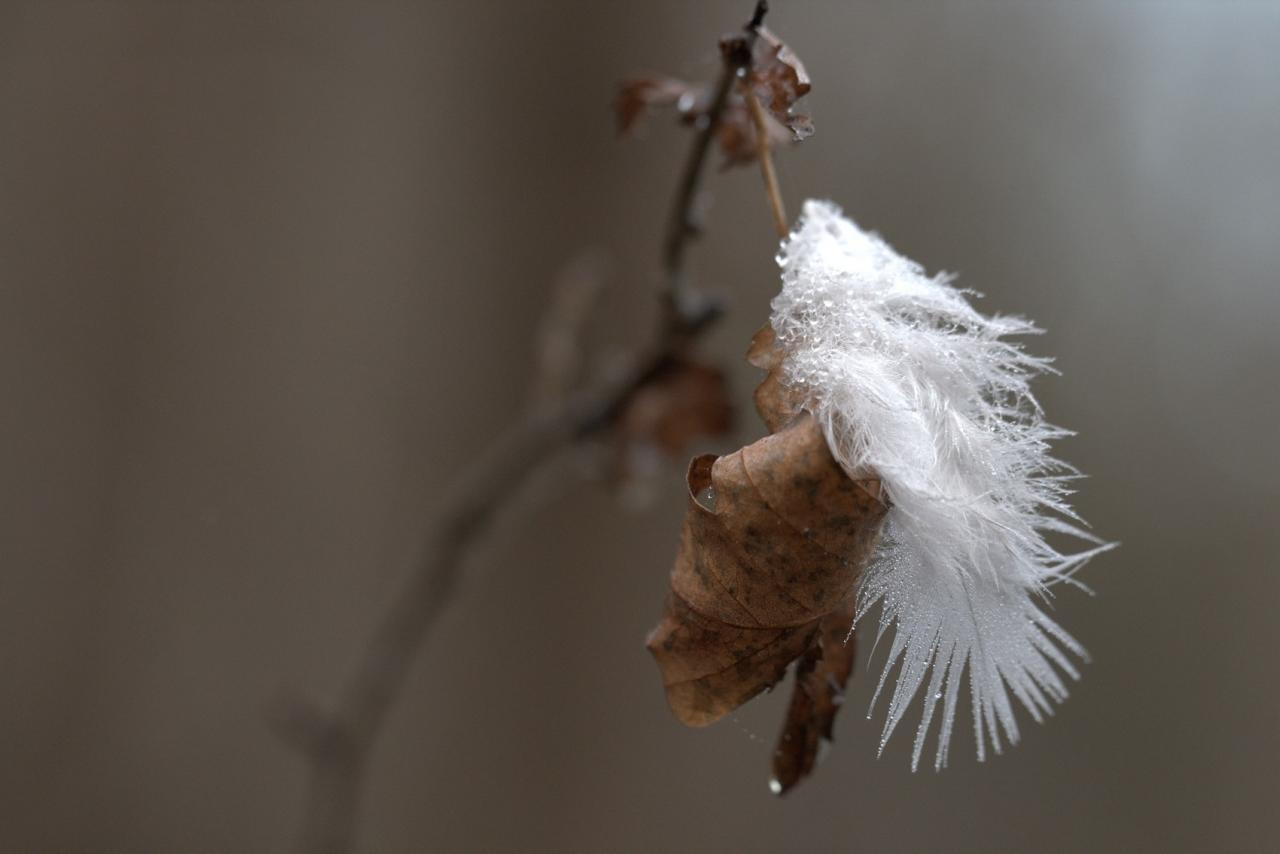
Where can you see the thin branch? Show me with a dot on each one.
(337, 742)
(764, 153)
(683, 226)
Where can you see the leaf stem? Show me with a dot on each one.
(764, 153)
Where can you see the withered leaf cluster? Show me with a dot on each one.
(684, 401)
(777, 76)
(774, 539)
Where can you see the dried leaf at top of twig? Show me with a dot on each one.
(777, 76)
(780, 77)
(779, 80)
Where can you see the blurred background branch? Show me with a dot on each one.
(337, 743)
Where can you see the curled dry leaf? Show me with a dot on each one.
(779, 80)
(821, 675)
(774, 540)
(778, 77)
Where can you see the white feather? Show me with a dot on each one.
(909, 381)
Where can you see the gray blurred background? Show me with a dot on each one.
(267, 283)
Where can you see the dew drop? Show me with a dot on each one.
(706, 497)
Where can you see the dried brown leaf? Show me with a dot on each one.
(777, 76)
(820, 679)
(775, 401)
(773, 541)
(641, 94)
(779, 80)
(685, 401)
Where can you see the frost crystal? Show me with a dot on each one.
(909, 381)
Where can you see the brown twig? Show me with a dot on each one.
(764, 153)
(336, 742)
(684, 224)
